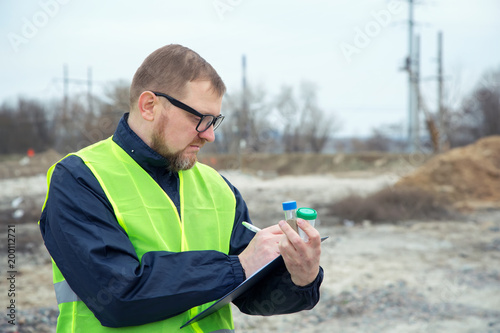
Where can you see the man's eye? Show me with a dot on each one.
(195, 120)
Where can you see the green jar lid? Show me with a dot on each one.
(307, 213)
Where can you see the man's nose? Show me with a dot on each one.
(208, 135)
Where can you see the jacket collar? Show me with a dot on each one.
(142, 154)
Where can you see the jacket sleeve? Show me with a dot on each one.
(276, 294)
(99, 262)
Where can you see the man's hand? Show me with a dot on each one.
(301, 258)
(262, 249)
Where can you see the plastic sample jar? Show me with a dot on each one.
(309, 215)
(290, 208)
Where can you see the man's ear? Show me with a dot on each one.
(145, 104)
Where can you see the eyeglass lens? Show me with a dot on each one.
(207, 120)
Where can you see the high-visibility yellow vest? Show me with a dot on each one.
(152, 223)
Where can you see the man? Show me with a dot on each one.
(143, 236)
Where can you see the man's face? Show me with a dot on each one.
(174, 135)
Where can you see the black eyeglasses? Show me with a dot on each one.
(206, 120)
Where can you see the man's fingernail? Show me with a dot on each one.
(282, 223)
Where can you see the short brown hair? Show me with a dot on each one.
(169, 69)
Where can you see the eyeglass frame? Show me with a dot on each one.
(215, 119)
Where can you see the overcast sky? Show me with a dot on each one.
(352, 50)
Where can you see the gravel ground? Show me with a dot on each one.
(434, 276)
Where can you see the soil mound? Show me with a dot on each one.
(468, 177)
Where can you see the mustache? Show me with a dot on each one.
(200, 142)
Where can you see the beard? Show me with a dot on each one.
(177, 160)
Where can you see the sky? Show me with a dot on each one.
(351, 50)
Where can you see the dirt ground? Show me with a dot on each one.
(413, 276)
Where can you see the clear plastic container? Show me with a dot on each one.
(290, 209)
(310, 216)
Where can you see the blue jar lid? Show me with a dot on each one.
(289, 205)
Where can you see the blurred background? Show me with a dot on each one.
(351, 75)
(383, 115)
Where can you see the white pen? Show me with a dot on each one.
(255, 229)
(250, 227)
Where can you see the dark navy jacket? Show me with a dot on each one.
(99, 262)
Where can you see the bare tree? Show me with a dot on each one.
(73, 123)
(288, 109)
(24, 125)
(111, 108)
(479, 114)
(306, 126)
(385, 138)
(247, 122)
(317, 126)
(253, 122)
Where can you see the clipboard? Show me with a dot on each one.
(240, 289)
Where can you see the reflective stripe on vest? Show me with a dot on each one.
(64, 293)
(207, 207)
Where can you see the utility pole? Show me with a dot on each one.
(244, 72)
(66, 81)
(242, 126)
(417, 95)
(430, 123)
(442, 125)
(65, 124)
(65, 90)
(412, 85)
(89, 89)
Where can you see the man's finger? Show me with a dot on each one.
(309, 230)
(291, 234)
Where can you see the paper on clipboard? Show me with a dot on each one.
(240, 289)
